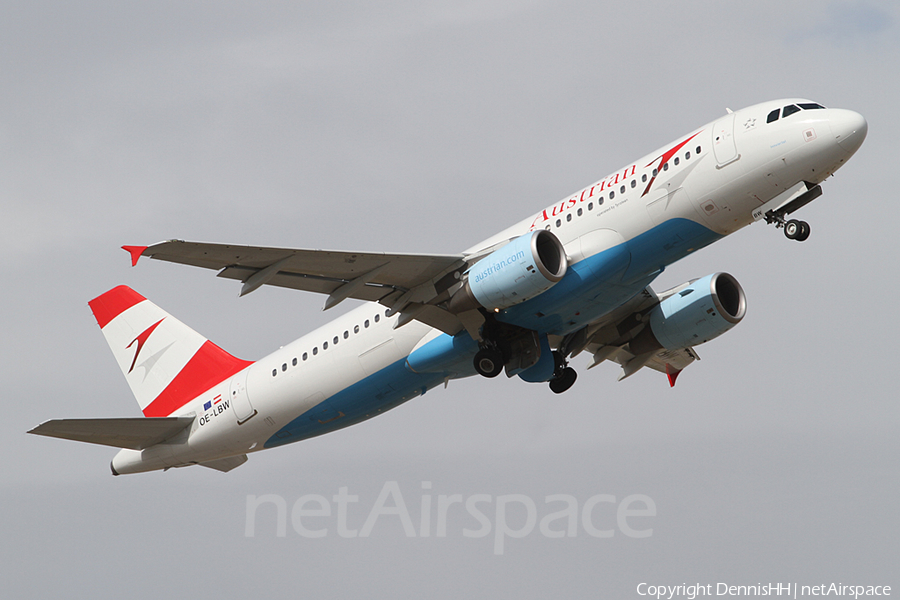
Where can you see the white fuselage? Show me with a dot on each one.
(663, 206)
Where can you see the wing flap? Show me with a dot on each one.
(372, 292)
(135, 433)
(669, 362)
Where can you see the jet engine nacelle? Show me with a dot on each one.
(702, 311)
(524, 268)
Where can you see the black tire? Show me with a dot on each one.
(564, 381)
(559, 364)
(804, 232)
(792, 229)
(488, 362)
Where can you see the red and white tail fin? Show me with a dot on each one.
(166, 363)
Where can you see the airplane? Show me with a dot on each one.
(570, 278)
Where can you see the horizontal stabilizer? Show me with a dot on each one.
(225, 464)
(135, 433)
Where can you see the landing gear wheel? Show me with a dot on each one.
(804, 232)
(793, 229)
(488, 362)
(564, 381)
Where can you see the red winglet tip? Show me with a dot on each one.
(672, 374)
(135, 251)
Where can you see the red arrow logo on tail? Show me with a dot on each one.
(141, 339)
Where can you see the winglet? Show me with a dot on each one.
(135, 252)
(672, 373)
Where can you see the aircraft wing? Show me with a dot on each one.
(610, 338)
(136, 433)
(670, 362)
(407, 283)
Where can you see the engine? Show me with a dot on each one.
(702, 311)
(524, 268)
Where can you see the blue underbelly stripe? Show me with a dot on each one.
(669, 242)
(378, 393)
(590, 289)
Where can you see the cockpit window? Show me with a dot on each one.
(791, 109)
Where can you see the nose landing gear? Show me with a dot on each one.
(793, 229)
(796, 230)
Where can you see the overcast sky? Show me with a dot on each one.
(423, 127)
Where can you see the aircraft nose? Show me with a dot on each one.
(849, 128)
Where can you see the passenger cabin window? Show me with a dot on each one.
(773, 116)
(789, 110)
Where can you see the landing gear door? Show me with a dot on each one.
(724, 146)
(240, 400)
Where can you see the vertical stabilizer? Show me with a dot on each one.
(166, 363)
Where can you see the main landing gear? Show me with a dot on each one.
(564, 376)
(489, 361)
(504, 346)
